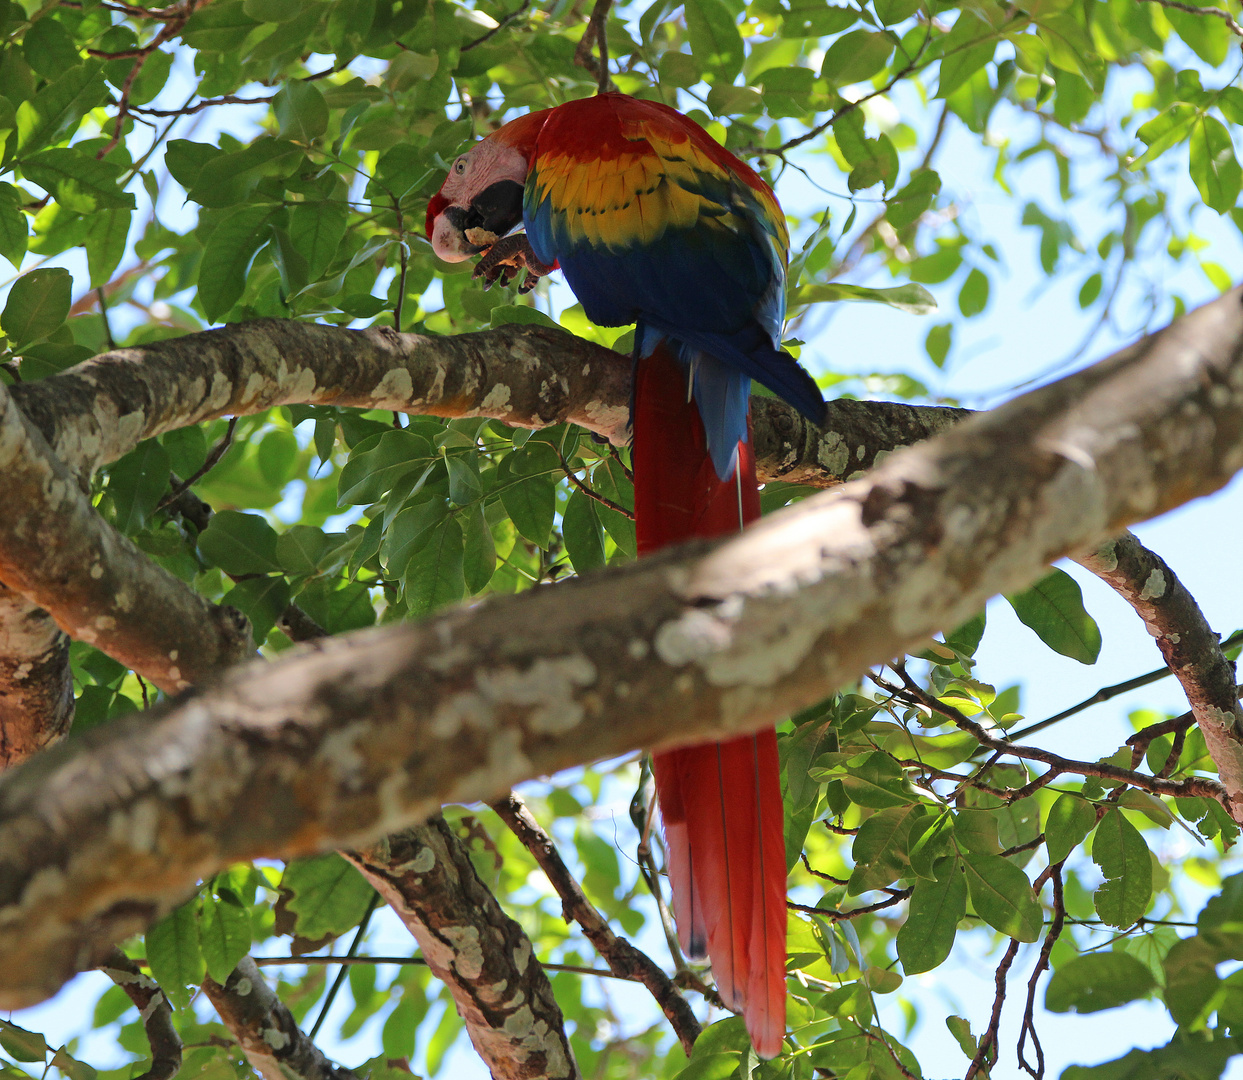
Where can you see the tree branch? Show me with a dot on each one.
(481, 955)
(342, 741)
(156, 1013)
(36, 683)
(275, 1046)
(623, 959)
(1191, 649)
(59, 553)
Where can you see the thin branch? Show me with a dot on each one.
(1192, 9)
(206, 103)
(155, 1011)
(1041, 965)
(589, 492)
(210, 462)
(336, 984)
(510, 18)
(624, 960)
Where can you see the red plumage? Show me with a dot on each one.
(720, 802)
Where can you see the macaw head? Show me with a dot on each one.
(481, 198)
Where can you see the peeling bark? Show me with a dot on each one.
(342, 741)
(269, 1036)
(482, 956)
(1189, 646)
(527, 376)
(36, 683)
(98, 587)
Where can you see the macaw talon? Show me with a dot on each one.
(502, 261)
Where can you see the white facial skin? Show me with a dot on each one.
(483, 165)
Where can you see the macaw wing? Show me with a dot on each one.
(652, 220)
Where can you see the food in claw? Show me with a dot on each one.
(653, 223)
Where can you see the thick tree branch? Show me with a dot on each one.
(1190, 647)
(528, 376)
(99, 411)
(623, 959)
(340, 742)
(59, 553)
(482, 956)
(36, 684)
(275, 1046)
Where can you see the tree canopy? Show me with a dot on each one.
(371, 441)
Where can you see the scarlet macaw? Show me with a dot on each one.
(652, 222)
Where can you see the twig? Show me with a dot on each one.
(1195, 786)
(602, 500)
(595, 35)
(1107, 693)
(896, 896)
(103, 314)
(418, 961)
(497, 28)
(206, 103)
(1041, 965)
(336, 985)
(987, 1050)
(1191, 9)
(623, 959)
(213, 458)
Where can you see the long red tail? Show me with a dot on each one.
(720, 802)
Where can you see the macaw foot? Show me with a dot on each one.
(505, 258)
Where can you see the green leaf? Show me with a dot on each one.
(317, 229)
(224, 935)
(927, 936)
(240, 543)
(409, 533)
(1214, 167)
(503, 314)
(299, 107)
(715, 41)
(1002, 896)
(105, 243)
(1119, 850)
(1096, 981)
(136, 484)
(478, 551)
(1191, 980)
(1070, 820)
(880, 848)
(968, 46)
(227, 257)
(937, 343)
(372, 471)
(174, 954)
(22, 1045)
(328, 897)
(38, 303)
(528, 488)
(434, 575)
(262, 600)
(856, 57)
(14, 232)
(911, 298)
(300, 549)
(57, 109)
(71, 1067)
(877, 782)
(78, 181)
(582, 532)
(1053, 608)
(1165, 130)
(931, 839)
(973, 296)
(397, 1036)
(905, 207)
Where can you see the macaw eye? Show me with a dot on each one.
(459, 166)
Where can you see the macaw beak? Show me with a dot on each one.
(457, 232)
